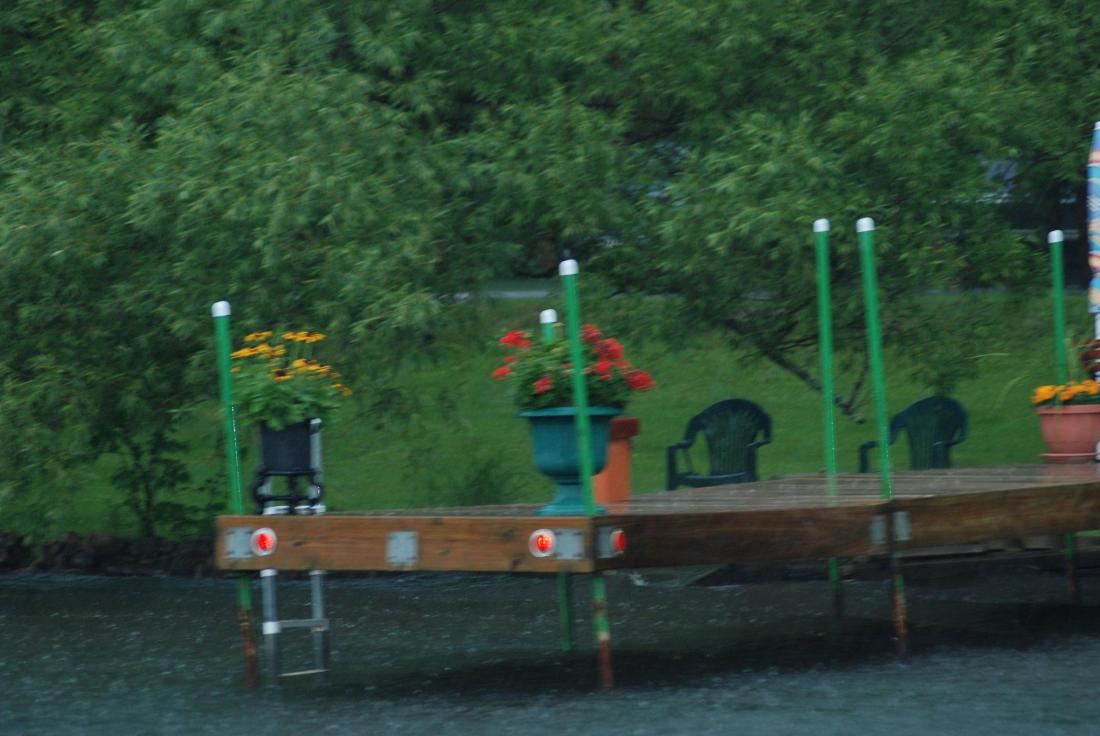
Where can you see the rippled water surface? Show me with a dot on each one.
(465, 654)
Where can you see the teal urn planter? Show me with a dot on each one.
(554, 438)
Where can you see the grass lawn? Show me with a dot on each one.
(450, 434)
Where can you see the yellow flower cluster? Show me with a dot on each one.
(309, 366)
(278, 381)
(262, 350)
(1074, 392)
(306, 367)
(307, 336)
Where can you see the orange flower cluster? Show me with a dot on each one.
(1074, 392)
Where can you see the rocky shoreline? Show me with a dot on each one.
(104, 554)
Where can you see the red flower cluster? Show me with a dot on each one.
(640, 381)
(517, 339)
(610, 355)
(544, 370)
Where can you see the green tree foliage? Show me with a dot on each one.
(351, 166)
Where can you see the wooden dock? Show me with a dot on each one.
(783, 519)
(793, 518)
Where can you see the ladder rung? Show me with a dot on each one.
(300, 673)
(317, 624)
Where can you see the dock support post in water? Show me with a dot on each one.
(271, 627)
(317, 611)
(1073, 581)
(565, 610)
(603, 631)
(898, 608)
(866, 229)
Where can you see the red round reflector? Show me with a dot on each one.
(618, 541)
(541, 543)
(264, 542)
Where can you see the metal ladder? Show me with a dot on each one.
(317, 623)
(273, 626)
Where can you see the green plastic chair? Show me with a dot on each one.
(933, 425)
(733, 430)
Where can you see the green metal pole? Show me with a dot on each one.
(548, 318)
(568, 271)
(825, 341)
(866, 229)
(220, 312)
(1061, 371)
(1058, 297)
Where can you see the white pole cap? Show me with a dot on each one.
(1055, 236)
(865, 224)
(568, 268)
(821, 226)
(1096, 125)
(220, 309)
(548, 317)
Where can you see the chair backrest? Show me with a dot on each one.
(932, 426)
(730, 427)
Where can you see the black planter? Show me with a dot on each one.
(286, 451)
(294, 453)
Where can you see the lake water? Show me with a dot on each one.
(479, 654)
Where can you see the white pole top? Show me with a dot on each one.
(1096, 126)
(1055, 236)
(865, 224)
(548, 317)
(821, 226)
(568, 268)
(220, 309)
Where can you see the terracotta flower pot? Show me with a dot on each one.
(612, 484)
(1070, 432)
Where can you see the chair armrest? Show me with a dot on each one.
(672, 479)
(864, 456)
(939, 454)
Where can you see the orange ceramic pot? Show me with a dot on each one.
(613, 484)
(1070, 432)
